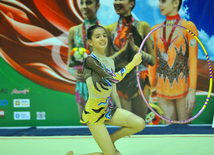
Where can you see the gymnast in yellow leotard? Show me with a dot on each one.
(175, 73)
(101, 81)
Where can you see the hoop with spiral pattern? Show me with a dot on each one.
(210, 72)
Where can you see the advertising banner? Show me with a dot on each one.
(37, 88)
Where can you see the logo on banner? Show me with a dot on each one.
(40, 116)
(1, 113)
(15, 91)
(3, 91)
(22, 115)
(3, 102)
(20, 103)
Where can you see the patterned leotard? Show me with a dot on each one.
(176, 68)
(80, 40)
(128, 87)
(99, 75)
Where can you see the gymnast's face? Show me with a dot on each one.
(168, 7)
(98, 39)
(89, 8)
(123, 7)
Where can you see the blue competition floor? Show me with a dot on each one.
(83, 130)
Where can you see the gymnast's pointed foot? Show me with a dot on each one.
(70, 153)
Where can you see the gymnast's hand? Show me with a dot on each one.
(78, 75)
(137, 59)
(125, 47)
(190, 101)
(132, 43)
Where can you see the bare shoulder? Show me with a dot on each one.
(143, 24)
(74, 28)
(143, 28)
(111, 27)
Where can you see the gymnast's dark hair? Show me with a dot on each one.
(91, 30)
(134, 3)
(180, 3)
(97, 1)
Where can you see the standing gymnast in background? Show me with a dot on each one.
(175, 73)
(122, 52)
(101, 82)
(77, 38)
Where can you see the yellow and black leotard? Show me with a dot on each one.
(99, 74)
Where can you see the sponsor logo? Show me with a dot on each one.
(3, 91)
(19, 103)
(1, 113)
(40, 116)
(193, 43)
(3, 102)
(15, 91)
(25, 115)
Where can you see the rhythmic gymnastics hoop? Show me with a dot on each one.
(210, 71)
